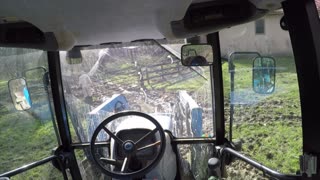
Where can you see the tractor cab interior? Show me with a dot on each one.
(183, 89)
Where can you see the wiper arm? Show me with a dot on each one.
(198, 73)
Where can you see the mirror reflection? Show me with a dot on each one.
(196, 55)
(19, 94)
(264, 75)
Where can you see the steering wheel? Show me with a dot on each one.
(128, 147)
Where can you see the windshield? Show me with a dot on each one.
(142, 76)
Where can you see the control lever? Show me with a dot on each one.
(214, 167)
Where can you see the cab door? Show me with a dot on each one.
(27, 133)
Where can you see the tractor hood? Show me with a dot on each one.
(136, 122)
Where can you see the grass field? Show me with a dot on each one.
(25, 139)
(270, 129)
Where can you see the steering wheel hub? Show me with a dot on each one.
(128, 147)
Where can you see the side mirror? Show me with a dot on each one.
(74, 56)
(264, 77)
(196, 55)
(19, 94)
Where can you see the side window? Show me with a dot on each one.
(260, 26)
(26, 124)
(268, 125)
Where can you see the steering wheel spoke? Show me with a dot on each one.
(147, 136)
(125, 164)
(149, 146)
(118, 140)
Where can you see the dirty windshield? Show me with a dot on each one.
(142, 76)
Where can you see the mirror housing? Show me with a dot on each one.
(74, 56)
(263, 75)
(196, 55)
(19, 94)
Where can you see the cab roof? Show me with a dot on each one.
(81, 22)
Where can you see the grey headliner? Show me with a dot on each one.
(84, 22)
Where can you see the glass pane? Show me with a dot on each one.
(317, 4)
(267, 125)
(142, 76)
(88, 167)
(194, 160)
(260, 26)
(26, 135)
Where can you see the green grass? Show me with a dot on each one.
(190, 85)
(24, 140)
(124, 79)
(276, 144)
(271, 130)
